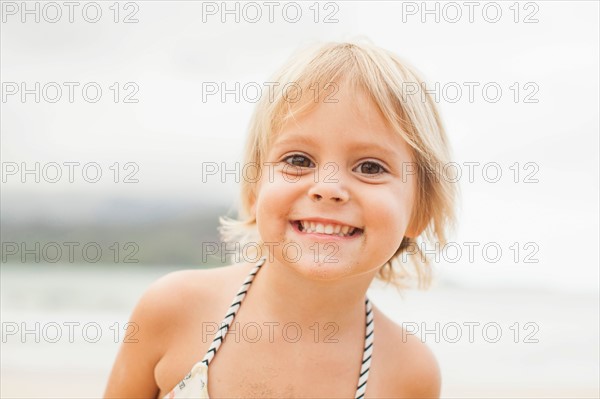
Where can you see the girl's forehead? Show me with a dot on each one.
(341, 97)
(351, 110)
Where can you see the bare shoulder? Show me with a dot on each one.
(168, 303)
(176, 289)
(407, 368)
(167, 298)
(163, 312)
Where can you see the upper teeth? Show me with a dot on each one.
(332, 229)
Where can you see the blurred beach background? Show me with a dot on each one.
(533, 308)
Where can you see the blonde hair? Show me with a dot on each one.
(385, 78)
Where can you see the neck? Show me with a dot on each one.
(287, 296)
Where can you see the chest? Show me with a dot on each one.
(285, 371)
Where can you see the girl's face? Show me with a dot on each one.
(333, 200)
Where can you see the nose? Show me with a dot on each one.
(330, 191)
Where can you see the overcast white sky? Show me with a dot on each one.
(170, 52)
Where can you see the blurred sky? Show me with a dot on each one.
(170, 132)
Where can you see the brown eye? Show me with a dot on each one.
(371, 168)
(299, 160)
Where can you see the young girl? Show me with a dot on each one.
(343, 182)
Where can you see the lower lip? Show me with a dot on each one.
(325, 237)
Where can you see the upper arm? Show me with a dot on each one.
(422, 376)
(132, 375)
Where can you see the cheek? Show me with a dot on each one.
(391, 212)
(392, 216)
(272, 210)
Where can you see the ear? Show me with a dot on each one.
(413, 231)
(410, 234)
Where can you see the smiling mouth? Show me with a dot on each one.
(309, 227)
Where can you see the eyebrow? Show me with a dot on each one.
(295, 139)
(379, 149)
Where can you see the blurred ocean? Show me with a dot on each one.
(523, 342)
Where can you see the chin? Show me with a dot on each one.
(318, 265)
